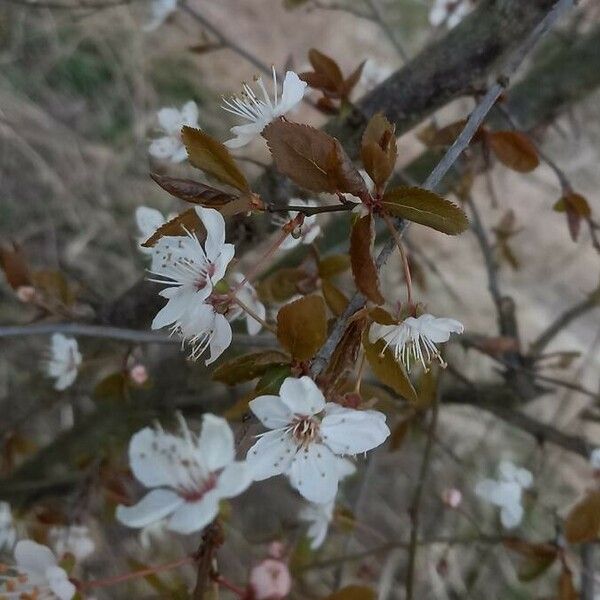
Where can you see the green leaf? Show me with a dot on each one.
(248, 366)
(212, 157)
(426, 208)
(271, 381)
(333, 265)
(302, 326)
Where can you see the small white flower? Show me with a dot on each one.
(248, 296)
(148, 221)
(595, 459)
(36, 575)
(171, 120)
(449, 12)
(260, 112)
(506, 492)
(309, 437)
(64, 361)
(8, 532)
(161, 9)
(308, 232)
(190, 475)
(75, 540)
(319, 516)
(415, 339)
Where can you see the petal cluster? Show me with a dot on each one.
(506, 492)
(308, 438)
(75, 540)
(260, 111)
(64, 361)
(415, 338)
(171, 120)
(188, 475)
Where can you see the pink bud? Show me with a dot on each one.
(25, 293)
(276, 550)
(270, 580)
(138, 374)
(452, 497)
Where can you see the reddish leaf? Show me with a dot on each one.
(576, 208)
(583, 521)
(281, 285)
(566, 587)
(352, 80)
(378, 149)
(327, 71)
(193, 191)
(312, 159)
(333, 265)
(514, 149)
(335, 298)
(302, 326)
(14, 266)
(361, 259)
(249, 366)
(184, 223)
(537, 558)
(399, 433)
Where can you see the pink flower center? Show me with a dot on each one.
(305, 430)
(195, 495)
(204, 277)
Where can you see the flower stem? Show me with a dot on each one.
(400, 245)
(238, 591)
(253, 314)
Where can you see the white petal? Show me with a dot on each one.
(216, 446)
(595, 459)
(33, 557)
(221, 339)
(271, 411)
(65, 380)
(302, 396)
(154, 506)
(234, 479)
(179, 155)
(179, 302)
(350, 431)
(314, 473)
(437, 330)
(215, 231)
(244, 134)
(271, 455)
(511, 473)
(189, 114)
(293, 92)
(222, 261)
(194, 516)
(148, 220)
(511, 515)
(170, 121)
(345, 468)
(164, 147)
(59, 583)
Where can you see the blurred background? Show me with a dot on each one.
(80, 87)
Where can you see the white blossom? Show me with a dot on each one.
(415, 339)
(8, 532)
(36, 574)
(148, 220)
(307, 233)
(449, 12)
(248, 296)
(595, 459)
(64, 361)
(259, 112)
(188, 475)
(75, 540)
(506, 492)
(161, 9)
(308, 437)
(171, 120)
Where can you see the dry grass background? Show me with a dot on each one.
(78, 95)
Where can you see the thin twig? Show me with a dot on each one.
(383, 22)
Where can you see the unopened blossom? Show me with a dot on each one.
(171, 120)
(308, 438)
(452, 497)
(138, 374)
(506, 492)
(306, 233)
(449, 12)
(161, 9)
(270, 580)
(75, 540)
(188, 475)
(36, 574)
(248, 296)
(595, 459)
(259, 112)
(64, 361)
(8, 532)
(25, 293)
(415, 338)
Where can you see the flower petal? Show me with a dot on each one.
(293, 92)
(33, 557)
(164, 147)
(148, 220)
(59, 583)
(234, 479)
(221, 339)
(271, 411)
(216, 447)
(302, 396)
(170, 120)
(154, 506)
(314, 473)
(511, 515)
(215, 231)
(271, 455)
(194, 516)
(350, 431)
(189, 114)
(221, 262)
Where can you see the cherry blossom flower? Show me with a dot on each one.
(595, 459)
(449, 12)
(188, 475)
(161, 9)
(8, 532)
(308, 437)
(506, 492)
(75, 540)
(270, 580)
(415, 339)
(248, 296)
(170, 120)
(307, 233)
(36, 574)
(64, 361)
(148, 221)
(260, 112)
